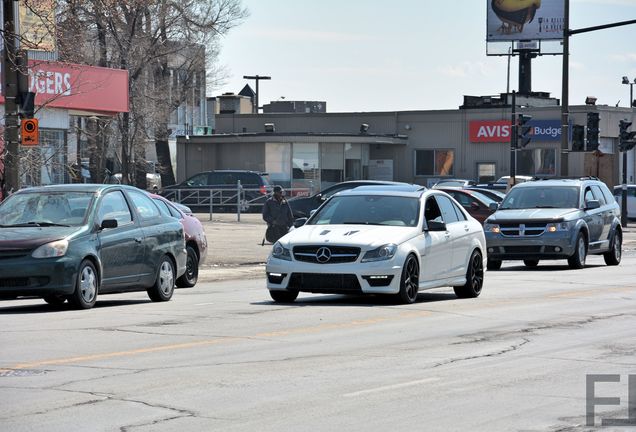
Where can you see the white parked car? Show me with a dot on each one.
(381, 240)
(631, 199)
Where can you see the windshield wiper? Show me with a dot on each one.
(35, 224)
(360, 223)
(544, 206)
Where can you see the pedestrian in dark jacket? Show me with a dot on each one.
(278, 215)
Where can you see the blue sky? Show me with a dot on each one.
(372, 55)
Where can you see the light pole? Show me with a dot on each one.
(257, 78)
(624, 186)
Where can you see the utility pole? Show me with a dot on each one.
(565, 102)
(513, 140)
(257, 78)
(10, 180)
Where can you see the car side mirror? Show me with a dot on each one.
(592, 204)
(108, 223)
(311, 212)
(300, 222)
(435, 226)
(493, 206)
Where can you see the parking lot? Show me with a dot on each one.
(222, 356)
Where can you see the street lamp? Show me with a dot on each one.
(624, 186)
(257, 78)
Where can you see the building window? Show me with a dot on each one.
(541, 162)
(434, 162)
(486, 172)
(306, 167)
(277, 163)
(331, 164)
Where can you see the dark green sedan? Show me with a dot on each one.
(72, 242)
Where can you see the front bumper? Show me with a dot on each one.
(28, 276)
(558, 245)
(381, 277)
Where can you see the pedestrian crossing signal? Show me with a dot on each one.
(30, 132)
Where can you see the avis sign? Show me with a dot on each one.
(498, 131)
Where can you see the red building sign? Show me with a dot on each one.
(78, 87)
(491, 131)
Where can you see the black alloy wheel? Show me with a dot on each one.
(474, 278)
(410, 281)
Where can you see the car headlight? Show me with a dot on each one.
(559, 226)
(492, 228)
(381, 253)
(51, 250)
(281, 252)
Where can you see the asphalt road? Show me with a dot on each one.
(221, 356)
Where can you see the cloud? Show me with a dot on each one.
(467, 69)
(301, 35)
(623, 58)
(577, 65)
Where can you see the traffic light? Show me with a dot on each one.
(29, 132)
(523, 130)
(578, 138)
(592, 131)
(625, 139)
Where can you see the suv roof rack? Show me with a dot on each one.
(536, 178)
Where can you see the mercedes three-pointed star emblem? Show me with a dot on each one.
(323, 255)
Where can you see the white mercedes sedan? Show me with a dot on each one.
(393, 240)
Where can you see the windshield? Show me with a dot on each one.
(483, 197)
(52, 208)
(541, 197)
(368, 210)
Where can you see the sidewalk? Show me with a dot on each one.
(235, 250)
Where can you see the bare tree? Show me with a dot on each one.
(147, 38)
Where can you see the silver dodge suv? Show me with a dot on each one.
(555, 219)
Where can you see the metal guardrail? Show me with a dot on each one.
(238, 199)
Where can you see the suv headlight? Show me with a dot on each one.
(281, 252)
(492, 228)
(51, 250)
(559, 226)
(381, 253)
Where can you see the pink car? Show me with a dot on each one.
(196, 242)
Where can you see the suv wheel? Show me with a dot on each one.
(613, 256)
(577, 260)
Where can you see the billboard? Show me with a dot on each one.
(513, 20)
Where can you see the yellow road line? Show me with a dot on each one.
(215, 341)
